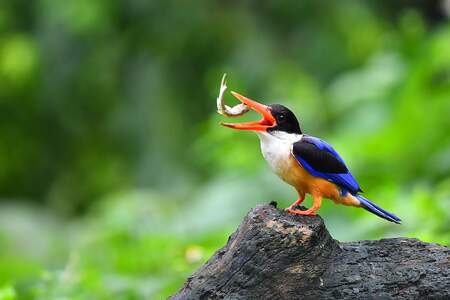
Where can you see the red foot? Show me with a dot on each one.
(297, 202)
(308, 212)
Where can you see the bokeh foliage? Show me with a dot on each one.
(116, 180)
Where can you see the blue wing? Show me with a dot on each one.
(321, 160)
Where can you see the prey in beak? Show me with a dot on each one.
(267, 121)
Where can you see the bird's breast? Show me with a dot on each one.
(278, 155)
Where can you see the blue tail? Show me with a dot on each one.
(375, 209)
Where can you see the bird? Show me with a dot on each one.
(307, 163)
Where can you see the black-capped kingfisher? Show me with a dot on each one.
(307, 163)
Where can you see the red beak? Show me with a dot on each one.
(266, 122)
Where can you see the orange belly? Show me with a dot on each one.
(294, 174)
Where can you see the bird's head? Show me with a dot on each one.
(275, 118)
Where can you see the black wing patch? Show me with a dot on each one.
(320, 160)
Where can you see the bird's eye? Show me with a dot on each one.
(281, 117)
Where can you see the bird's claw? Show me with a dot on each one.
(307, 212)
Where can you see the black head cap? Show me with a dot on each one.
(285, 118)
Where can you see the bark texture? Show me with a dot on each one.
(276, 255)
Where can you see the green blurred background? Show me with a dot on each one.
(116, 181)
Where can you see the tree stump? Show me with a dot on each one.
(276, 255)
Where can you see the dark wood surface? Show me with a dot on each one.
(276, 255)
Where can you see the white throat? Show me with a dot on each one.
(276, 148)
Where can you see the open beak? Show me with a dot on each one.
(266, 122)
